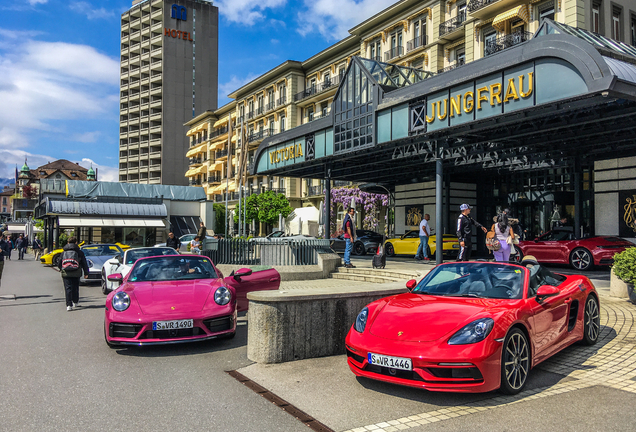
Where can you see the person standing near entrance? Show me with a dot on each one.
(464, 232)
(21, 244)
(71, 265)
(349, 229)
(502, 232)
(202, 233)
(425, 233)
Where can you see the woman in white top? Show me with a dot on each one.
(502, 231)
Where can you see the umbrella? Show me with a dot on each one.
(300, 226)
(280, 221)
(353, 203)
(320, 213)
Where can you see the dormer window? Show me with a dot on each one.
(42, 172)
(73, 174)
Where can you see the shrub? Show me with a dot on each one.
(625, 265)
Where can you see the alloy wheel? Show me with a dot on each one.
(581, 259)
(592, 320)
(516, 361)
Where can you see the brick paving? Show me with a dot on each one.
(611, 363)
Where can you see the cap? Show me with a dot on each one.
(464, 207)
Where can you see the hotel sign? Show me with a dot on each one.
(177, 34)
(286, 153)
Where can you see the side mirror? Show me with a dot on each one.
(536, 239)
(241, 272)
(411, 284)
(113, 261)
(115, 277)
(546, 291)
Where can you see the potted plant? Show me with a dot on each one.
(625, 269)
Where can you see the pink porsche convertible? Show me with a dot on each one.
(179, 298)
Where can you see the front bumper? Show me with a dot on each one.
(437, 366)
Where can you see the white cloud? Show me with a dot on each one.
(91, 13)
(87, 137)
(234, 84)
(333, 18)
(246, 12)
(36, 2)
(104, 173)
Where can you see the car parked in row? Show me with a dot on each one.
(366, 241)
(123, 263)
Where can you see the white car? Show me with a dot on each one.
(185, 241)
(122, 265)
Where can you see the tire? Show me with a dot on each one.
(518, 257)
(388, 248)
(581, 259)
(515, 362)
(358, 249)
(105, 289)
(591, 321)
(56, 260)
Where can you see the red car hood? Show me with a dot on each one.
(172, 296)
(425, 318)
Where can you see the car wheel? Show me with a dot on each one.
(591, 321)
(389, 249)
(358, 249)
(581, 259)
(56, 260)
(515, 362)
(518, 257)
(105, 289)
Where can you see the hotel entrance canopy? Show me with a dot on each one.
(565, 94)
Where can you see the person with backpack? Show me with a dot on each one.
(71, 265)
(36, 246)
(349, 229)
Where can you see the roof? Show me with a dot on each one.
(62, 164)
(105, 208)
(95, 189)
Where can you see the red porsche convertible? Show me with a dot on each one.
(178, 298)
(560, 247)
(473, 327)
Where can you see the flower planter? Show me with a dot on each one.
(618, 288)
(632, 293)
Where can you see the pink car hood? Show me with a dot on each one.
(172, 296)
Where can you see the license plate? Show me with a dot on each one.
(390, 362)
(455, 246)
(172, 325)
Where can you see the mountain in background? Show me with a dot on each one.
(6, 182)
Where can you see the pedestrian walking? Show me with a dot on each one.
(173, 241)
(21, 244)
(4, 248)
(37, 248)
(10, 249)
(464, 232)
(71, 265)
(203, 232)
(349, 229)
(502, 232)
(425, 233)
(195, 246)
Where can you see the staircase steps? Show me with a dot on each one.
(374, 275)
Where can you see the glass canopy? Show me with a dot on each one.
(390, 75)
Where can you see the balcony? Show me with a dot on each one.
(315, 190)
(214, 178)
(195, 182)
(256, 136)
(270, 106)
(220, 154)
(260, 190)
(475, 5)
(507, 41)
(393, 53)
(452, 24)
(260, 110)
(327, 84)
(218, 132)
(281, 101)
(451, 67)
(250, 115)
(415, 43)
(196, 161)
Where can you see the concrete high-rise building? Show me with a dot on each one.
(169, 71)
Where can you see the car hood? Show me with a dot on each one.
(425, 318)
(167, 297)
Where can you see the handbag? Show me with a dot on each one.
(492, 243)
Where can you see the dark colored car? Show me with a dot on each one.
(560, 247)
(366, 241)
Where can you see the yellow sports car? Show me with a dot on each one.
(409, 242)
(52, 257)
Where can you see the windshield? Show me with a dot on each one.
(487, 280)
(172, 268)
(134, 254)
(101, 250)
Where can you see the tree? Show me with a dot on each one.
(264, 207)
(29, 192)
(219, 219)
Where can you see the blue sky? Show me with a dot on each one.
(59, 67)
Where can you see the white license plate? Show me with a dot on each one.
(390, 362)
(455, 246)
(172, 325)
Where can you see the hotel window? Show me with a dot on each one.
(546, 10)
(490, 41)
(326, 78)
(616, 24)
(596, 17)
(418, 64)
(312, 84)
(633, 31)
(260, 104)
(419, 32)
(324, 109)
(250, 109)
(4, 200)
(310, 113)
(270, 97)
(461, 12)
(375, 50)
(282, 123)
(241, 113)
(460, 56)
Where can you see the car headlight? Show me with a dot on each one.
(121, 301)
(222, 296)
(90, 263)
(474, 332)
(361, 320)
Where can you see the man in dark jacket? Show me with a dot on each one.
(21, 245)
(173, 242)
(202, 233)
(465, 231)
(72, 257)
(4, 248)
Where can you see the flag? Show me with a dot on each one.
(16, 174)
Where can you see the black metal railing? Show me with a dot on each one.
(250, 115)
(261, 251)
(24, 204)
(214, 178)
(337, 183)
(281, 101)
(218, 132)
(377, 58)
(258, 135)
(331, 82)
(475, 5)
(507, 41)
(315, 190)
(451, 67)
(270, 106)
(196, 160)
(415, 43)
(195, 182)
(260, 110)
(220, 153)
(393, 53)
(452, 24)
(259, 190)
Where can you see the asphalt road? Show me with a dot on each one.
(57, 374)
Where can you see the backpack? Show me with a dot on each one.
(492, 243)
(70, 260)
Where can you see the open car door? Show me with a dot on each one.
(245, 280)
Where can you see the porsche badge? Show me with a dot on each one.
(400, 333)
